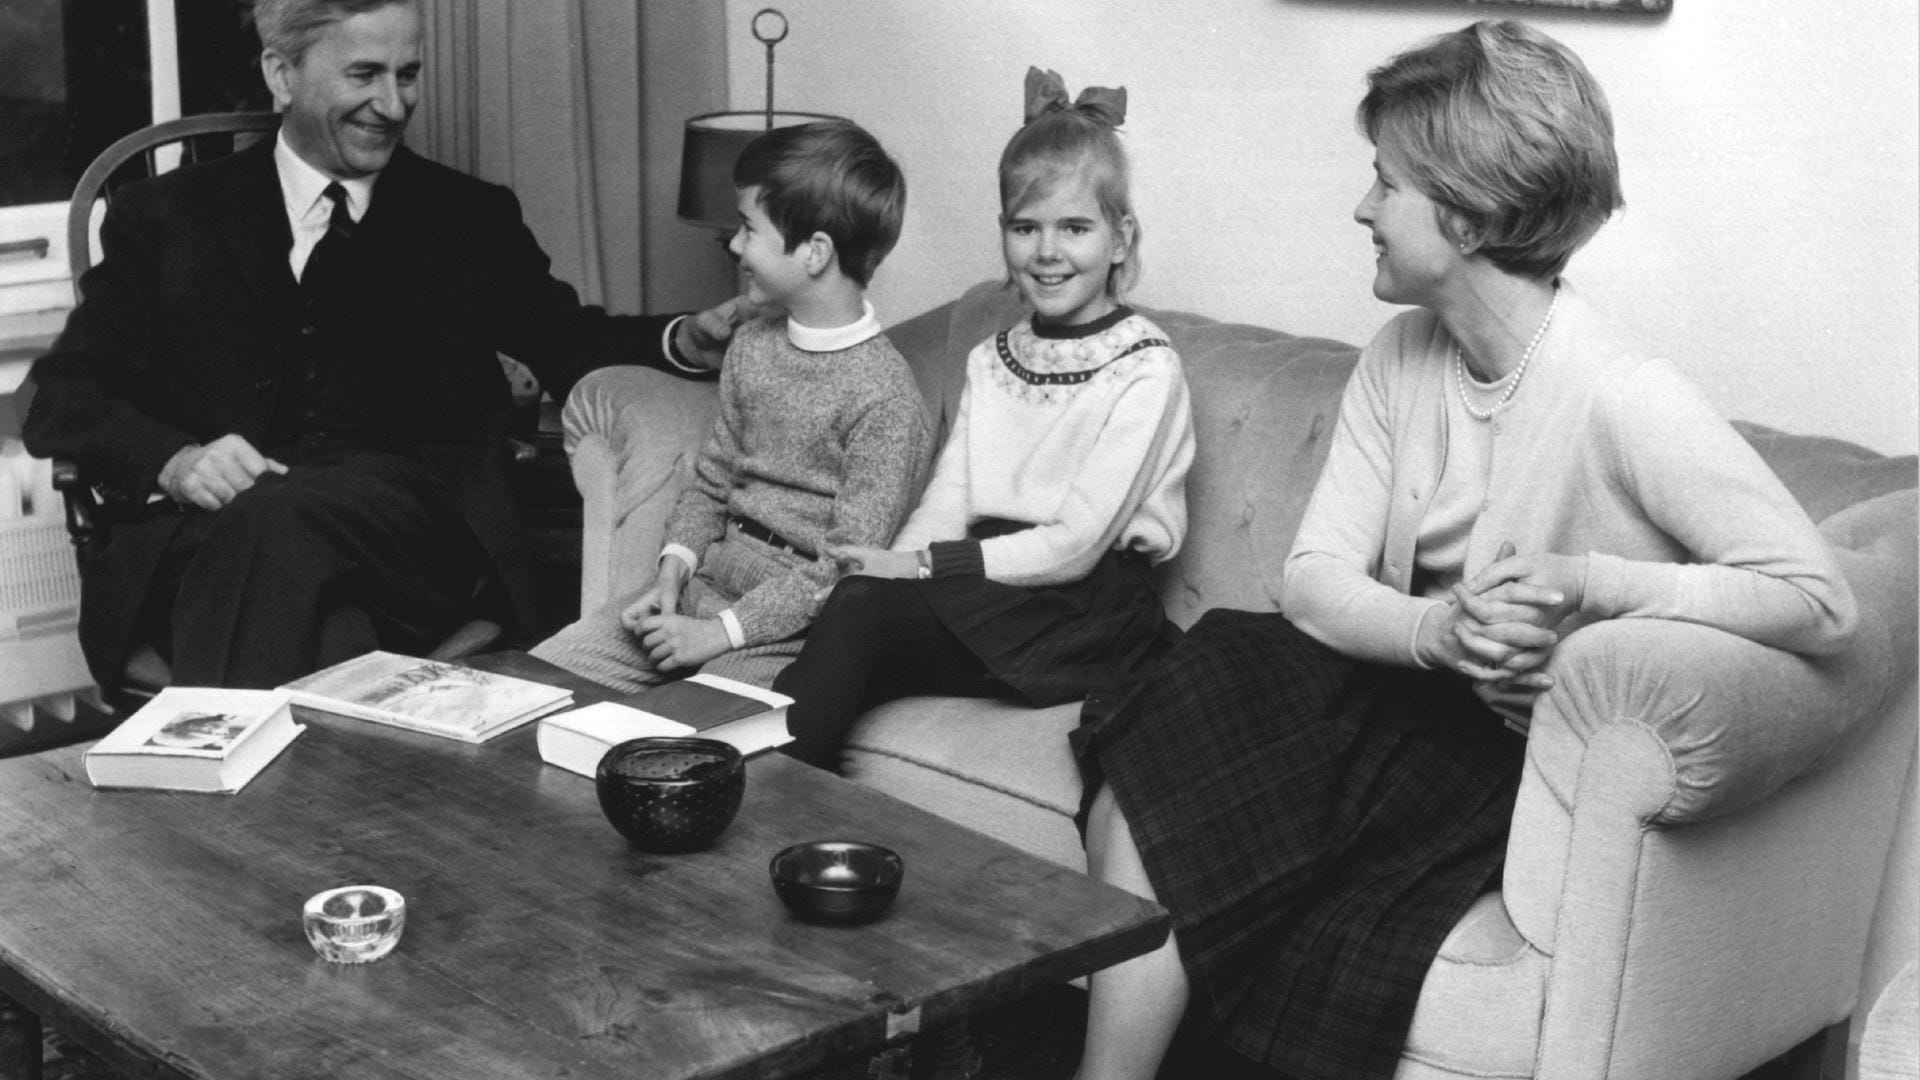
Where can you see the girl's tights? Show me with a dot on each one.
(874, 640)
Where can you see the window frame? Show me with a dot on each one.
(38, 289)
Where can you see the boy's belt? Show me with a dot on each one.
(750, 527)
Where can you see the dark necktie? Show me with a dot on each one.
(327, 255)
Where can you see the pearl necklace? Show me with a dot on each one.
(1513, 381)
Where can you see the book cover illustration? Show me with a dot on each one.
(461, 702)
(195, 731)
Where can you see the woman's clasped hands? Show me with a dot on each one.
(1500, 628)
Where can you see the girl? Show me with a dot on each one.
(1024, 571)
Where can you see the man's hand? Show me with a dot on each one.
(703, 338)
(682, 641)
(876, 562)
(660, 598)
(210, 476)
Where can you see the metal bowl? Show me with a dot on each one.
(670, 794)
(842, 882)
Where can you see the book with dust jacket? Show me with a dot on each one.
(432, 696)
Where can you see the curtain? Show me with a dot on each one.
(576, 105)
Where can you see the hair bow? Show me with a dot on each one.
(1047, 91)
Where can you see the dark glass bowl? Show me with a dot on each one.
(837, 881)
(671, 794)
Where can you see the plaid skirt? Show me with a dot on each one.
(1316, 825)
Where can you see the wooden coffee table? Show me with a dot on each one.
(162, 930)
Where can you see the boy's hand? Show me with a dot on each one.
(702, 338)
(660, 598)
(682, 641)
(876, 562)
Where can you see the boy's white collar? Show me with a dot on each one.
(835, 338)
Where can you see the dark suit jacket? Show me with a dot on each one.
(180, 340)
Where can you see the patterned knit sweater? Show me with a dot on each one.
(821, 447)
(1087, 438)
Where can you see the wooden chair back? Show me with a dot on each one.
(141, 154)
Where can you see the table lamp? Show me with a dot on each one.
(714, 140)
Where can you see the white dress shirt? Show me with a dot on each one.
(307, 209)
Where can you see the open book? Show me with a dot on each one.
(193, 739)
(433, 696)
(709, 706)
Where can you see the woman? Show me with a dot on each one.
(1318, 796)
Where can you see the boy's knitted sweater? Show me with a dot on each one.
(822, 447)
(1086, 438)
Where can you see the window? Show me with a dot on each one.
(76, 75)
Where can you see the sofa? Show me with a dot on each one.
(1700, 845)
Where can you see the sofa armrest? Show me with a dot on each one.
(1654, 929)
(1673, 723)
(1726, 721)
(1732, 720)
(1675, 769)
(630, 434)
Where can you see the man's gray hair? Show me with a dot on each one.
(290, 27)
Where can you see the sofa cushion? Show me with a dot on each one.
(1828, 475)
(997, 767)
(1264, 406)
(1479, 1008)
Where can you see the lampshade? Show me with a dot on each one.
(713, 143)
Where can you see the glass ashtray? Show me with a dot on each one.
(354, 924)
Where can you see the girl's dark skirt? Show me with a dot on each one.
(1057, 643)
(878, 639)
(1315, 824)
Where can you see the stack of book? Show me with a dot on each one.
(709, 706)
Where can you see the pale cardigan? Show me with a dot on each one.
(1603, 451)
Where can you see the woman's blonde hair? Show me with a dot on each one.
(1509, 133)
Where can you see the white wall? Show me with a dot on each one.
(1769, 149)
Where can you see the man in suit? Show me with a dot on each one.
(285, 370)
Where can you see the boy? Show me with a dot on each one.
(819, 442)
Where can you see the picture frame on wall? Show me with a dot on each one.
(1639, 7)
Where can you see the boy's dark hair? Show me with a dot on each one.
(832, 177)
